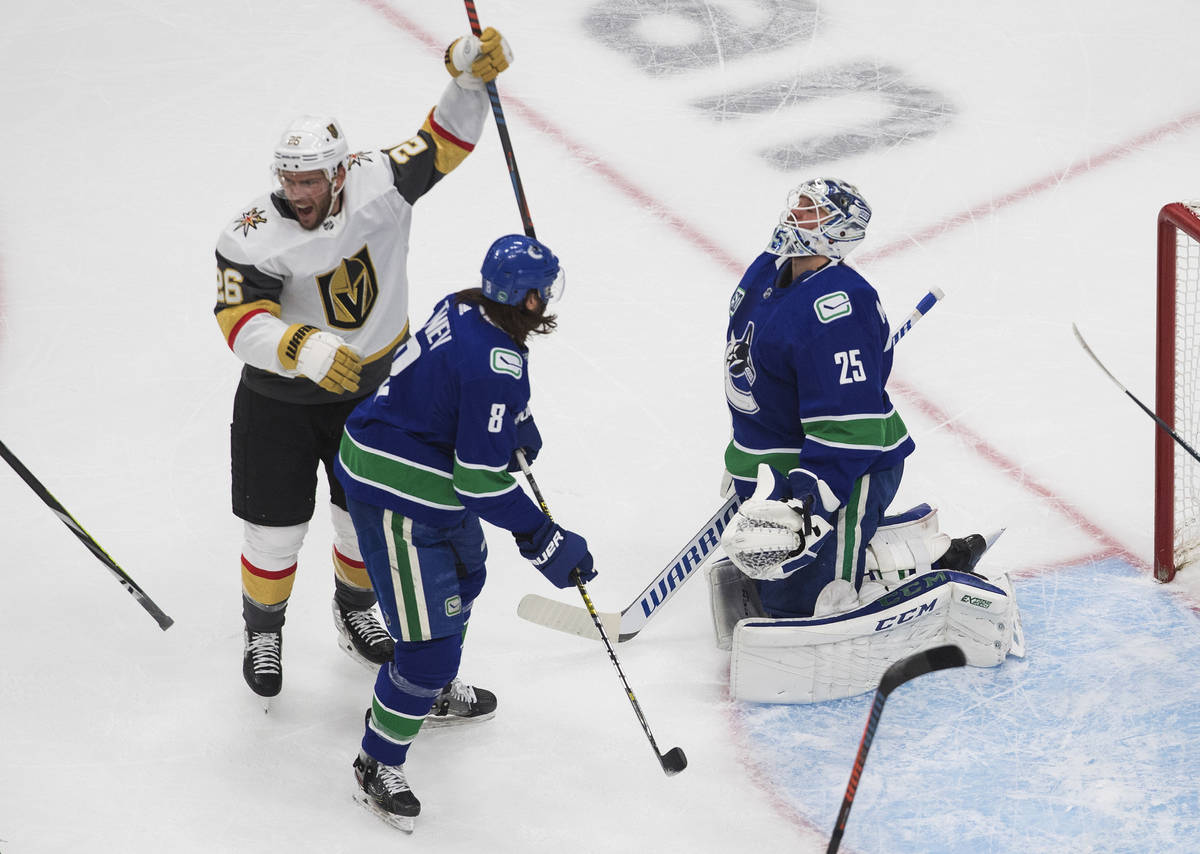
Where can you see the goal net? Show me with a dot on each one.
(1177, 402)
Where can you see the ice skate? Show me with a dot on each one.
(262, 664)
(384, 790)
(461, 703)
(361, 636)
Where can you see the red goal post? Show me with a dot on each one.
(1177, 396)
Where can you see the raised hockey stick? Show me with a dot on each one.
(128, 583)
(674, 760)
(625, 625)
(938, 658)
(1145, 408)
(502, 127)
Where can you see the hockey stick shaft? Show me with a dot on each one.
(627, 623)
(674, 760)
(938, 658)
(923, 308)
(502, 127)
(1163, 424)
(53, 503)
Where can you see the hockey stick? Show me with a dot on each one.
(574, 620)
(674, 760)
(128, 583)
(502, 127)
(927, 302)
(1145, 408)
(938, 658)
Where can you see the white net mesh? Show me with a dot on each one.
(1187, 390)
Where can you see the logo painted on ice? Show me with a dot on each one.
(507, 362)
(832, 306)
(739, 371)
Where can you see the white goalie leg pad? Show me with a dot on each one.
(732, 596)
(814, 659)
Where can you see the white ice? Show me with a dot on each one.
(134, 131)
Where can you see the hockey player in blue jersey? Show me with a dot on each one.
(422, 461)
(807, 361)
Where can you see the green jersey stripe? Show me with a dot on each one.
(858, 432)
(398, 476)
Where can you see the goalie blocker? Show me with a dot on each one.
(905, 606)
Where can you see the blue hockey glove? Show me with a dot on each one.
(529, 440)
(556, 553)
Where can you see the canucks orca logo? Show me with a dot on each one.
(739, 372)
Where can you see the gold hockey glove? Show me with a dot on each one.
(473, 61)
(323, 357)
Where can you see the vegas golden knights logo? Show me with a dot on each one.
(349, 291)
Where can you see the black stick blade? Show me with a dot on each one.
(673, 761)
(938, 658)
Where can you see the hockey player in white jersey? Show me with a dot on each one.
(312, 294)
(818, 450)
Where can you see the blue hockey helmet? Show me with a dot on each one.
(516, 264)
(824, 216)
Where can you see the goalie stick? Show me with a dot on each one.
(625, 625)
(1163, 424)
(938, 658)
(674, 760)
(128, 583)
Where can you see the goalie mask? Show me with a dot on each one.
(515, 265)
(825, 217)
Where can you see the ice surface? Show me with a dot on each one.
(1014, 154)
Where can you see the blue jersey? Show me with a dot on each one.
(806, 365)
(435, 440)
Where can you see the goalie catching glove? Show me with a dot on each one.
(557, 553)
(780, 528)
(474, 61)
(323, 357)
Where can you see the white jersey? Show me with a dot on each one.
(349, 275)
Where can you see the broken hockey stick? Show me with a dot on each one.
(938, 658)
(674, 760)
(128, 583)
(502, 126)
(625, 625)
(1145, 408)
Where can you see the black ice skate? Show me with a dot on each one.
(262, 662)
(964, 552)
(361, 636)
(383, 789)
(460, 703)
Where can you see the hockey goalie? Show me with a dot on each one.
(821, 590)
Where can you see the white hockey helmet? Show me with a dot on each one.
(841, 215)
(311, 143)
